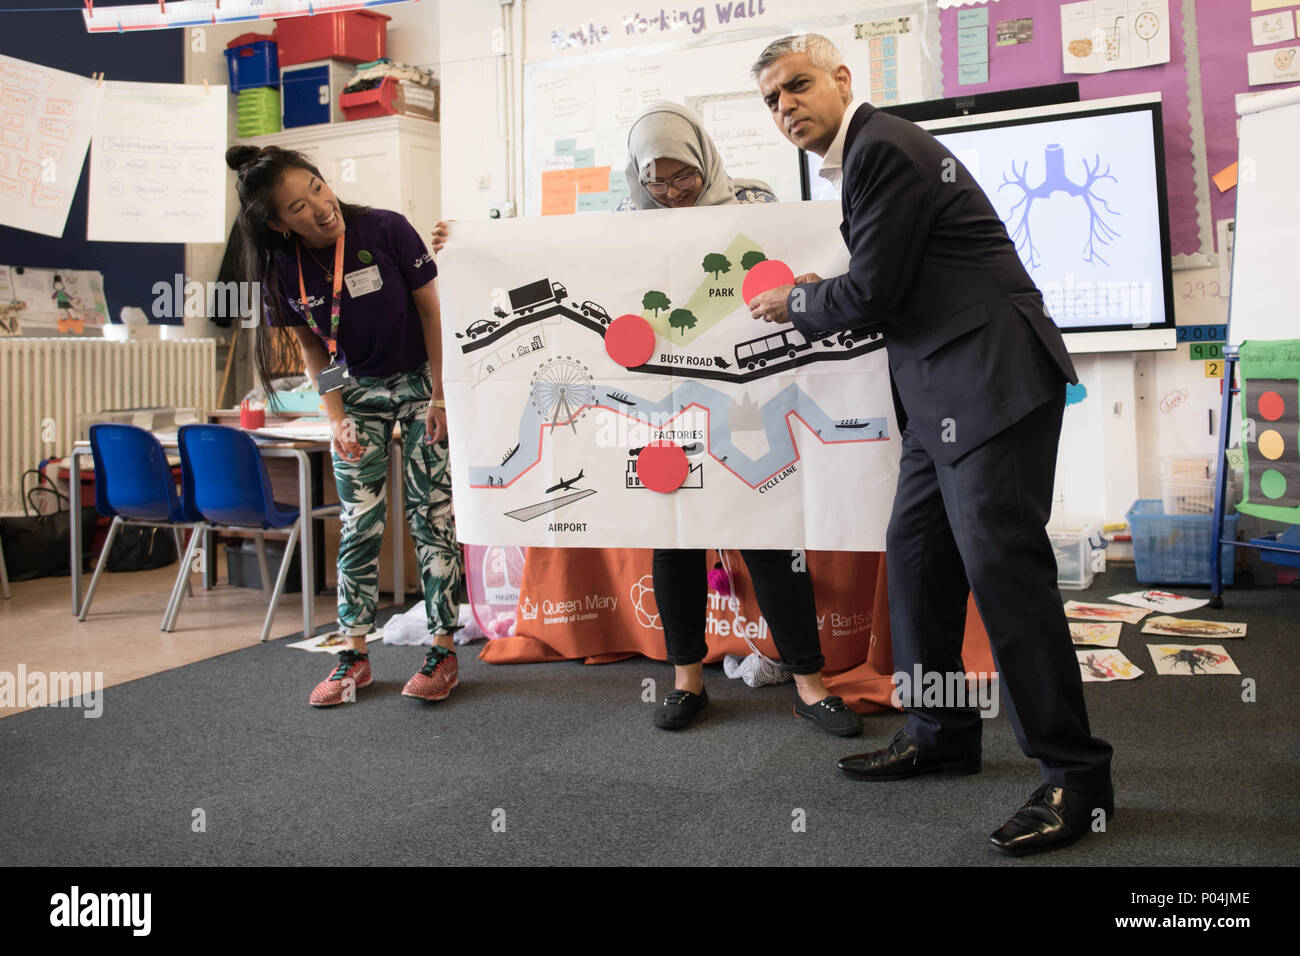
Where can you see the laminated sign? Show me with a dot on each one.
(607, 386)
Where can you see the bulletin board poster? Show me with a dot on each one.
(578, 110)
(157, 172)
(49, 302)
(46, 117)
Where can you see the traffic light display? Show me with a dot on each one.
(1270, 413)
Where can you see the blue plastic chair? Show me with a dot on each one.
(134, 486)
(224, 481)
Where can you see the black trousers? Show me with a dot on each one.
(978, 525)
(785, 596)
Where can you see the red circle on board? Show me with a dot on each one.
(768, 274)
(1271, 405)
(630, 341)
(662, 466)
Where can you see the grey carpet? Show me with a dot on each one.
(566, 755)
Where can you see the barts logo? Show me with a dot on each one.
(75, 909)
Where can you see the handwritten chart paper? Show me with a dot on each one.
(45, 121)
(157, 172)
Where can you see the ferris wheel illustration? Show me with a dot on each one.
(562, 391)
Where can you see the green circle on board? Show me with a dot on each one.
(1272, 483)
(365, 256)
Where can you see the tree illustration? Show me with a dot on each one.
(751, 259)
(716, 263)
(656, 301)
(682, 319)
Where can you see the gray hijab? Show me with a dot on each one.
(668, 131)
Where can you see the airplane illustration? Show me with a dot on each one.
(566, 484)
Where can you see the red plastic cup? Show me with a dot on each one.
(252, 418)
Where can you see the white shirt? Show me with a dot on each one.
(832, 163)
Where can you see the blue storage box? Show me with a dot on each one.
(1175, 549)
(309, 92)
(1285, 539)
(252, 61)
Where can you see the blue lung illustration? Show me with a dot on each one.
(1100, 232)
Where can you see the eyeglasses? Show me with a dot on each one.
(680, 183)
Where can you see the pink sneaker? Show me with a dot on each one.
(437, 678)
(351, 674)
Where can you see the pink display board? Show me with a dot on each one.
(1039, 62)
(1224, 28)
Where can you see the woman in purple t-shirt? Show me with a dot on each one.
(356, 287)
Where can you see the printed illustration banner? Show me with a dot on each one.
(784, 443)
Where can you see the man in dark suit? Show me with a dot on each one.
(978, 372)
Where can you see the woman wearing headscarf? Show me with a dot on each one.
(672, 164)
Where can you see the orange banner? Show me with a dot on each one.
(598, 605)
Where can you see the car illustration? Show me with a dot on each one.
(482, 327)
(593, 311)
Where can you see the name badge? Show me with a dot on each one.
(331, 377)
(363, 281)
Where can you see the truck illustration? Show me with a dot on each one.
(534, 295)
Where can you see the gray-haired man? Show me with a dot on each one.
(979, 372)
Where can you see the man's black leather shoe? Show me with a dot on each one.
(904, 757)
(1053, 818)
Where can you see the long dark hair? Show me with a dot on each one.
(260, 171)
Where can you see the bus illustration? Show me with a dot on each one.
(768, 348)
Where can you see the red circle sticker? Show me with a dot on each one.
(768, 274)
(662, 466)
(630, 341)
(1271, 405)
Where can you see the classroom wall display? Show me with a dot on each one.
(42, 302)
(612, 390)
(577, 110)
(46, 117)
(157, 172)
(1098, 36)
(1041, 61)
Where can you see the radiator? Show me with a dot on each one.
(47, 385)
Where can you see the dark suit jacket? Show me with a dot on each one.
(971, 349)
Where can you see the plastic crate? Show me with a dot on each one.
(1187, 486)
(252, 61)
(352, 35)
(1286, 539)
(242, 569)
(1080, 551)
(392, 97)
(257, 112)
(1175, 549)
(309, 92)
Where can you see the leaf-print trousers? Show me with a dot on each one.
(375, 405)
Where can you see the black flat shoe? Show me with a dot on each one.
(1053, 818)
(904, 757)
(679, 709)
(832, 715)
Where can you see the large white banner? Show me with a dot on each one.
(788, 443)
(157, 164)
